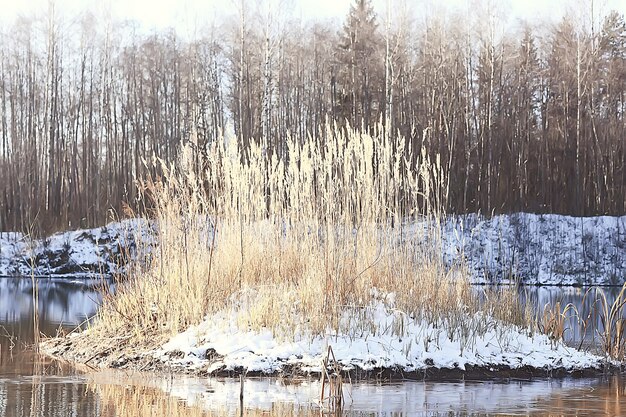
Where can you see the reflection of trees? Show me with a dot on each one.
(58, 302)
(43, 398)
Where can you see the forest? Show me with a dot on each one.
(524, 117)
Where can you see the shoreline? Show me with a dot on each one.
(144, 363)
(255, 355)
(110, 277)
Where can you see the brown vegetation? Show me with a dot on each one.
(600, 319)
(300, 247)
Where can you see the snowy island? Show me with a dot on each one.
(537, 249)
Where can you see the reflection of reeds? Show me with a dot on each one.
(37, 390)
(36, 385)
(605, 398)
(132, 400)
(140, 401)
(331, 399)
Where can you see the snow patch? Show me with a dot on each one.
(219, 344)
(100, 251)
(545, 249)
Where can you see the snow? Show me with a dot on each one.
(546, 249)
(12, 246)
(421, 345)
(76, 253)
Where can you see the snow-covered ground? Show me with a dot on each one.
(87, 252)
(395, 342)
(536, 249)
(544, 249)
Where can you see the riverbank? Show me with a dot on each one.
(538, 249)
(400, 348)
(76, 254)
(530, 249)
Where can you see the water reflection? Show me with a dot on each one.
(61, 302)
(270, 397)
(31, 385)
(586, 304)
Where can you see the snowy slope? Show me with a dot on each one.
(539, 249)
(536, 249)
(103, 250)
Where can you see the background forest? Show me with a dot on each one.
(523, 117)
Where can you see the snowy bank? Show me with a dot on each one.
(543, 249)
(398, 346)
(100, 251)
(535, 249)
(376, 342)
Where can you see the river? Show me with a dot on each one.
(31, 385)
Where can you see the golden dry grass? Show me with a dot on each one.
(293, 244)
(552, 320)
(604, 320)
(613, 323)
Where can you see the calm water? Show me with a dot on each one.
(586, 308)
(34, 386)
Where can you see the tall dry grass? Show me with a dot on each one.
(602, 319)
(292, 244)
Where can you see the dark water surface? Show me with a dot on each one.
(34, 386)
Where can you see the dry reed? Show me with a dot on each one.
(603, 319)
(612, 319)
(292, 244)
(553, 318)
